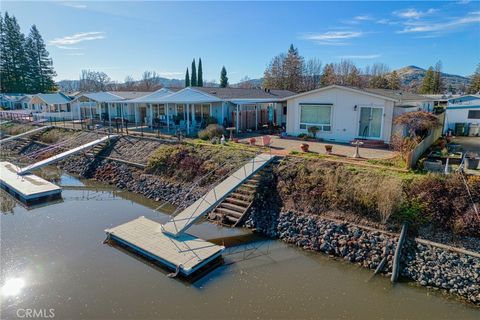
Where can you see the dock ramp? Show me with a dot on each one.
(186, 218)
(20, 135)
(184, 254)
(62, 155)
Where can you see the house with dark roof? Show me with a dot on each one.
(193, 107)
(343, 114)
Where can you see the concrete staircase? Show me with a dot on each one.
(98, 148)
(234, 209)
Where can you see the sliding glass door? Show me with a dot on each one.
(371, 119)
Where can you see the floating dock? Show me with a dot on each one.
(185, 254)
(28, 188)
(185, 219)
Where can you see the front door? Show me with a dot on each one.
(370, 122)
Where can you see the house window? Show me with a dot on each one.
(473, 114)
(318, 115)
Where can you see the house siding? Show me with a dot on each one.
(345, 120)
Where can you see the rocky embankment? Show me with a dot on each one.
(434, 267)
(131, 179)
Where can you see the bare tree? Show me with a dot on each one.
(378, 76)
(246, 83)
(150, 81)
(129, 83)
(91, 81)
(312, 74)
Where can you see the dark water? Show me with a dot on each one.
(52, 257)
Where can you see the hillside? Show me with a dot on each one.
(412, 76)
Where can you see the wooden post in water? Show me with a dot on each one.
(398, 252)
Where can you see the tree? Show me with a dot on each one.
(92, 81)
(149, 81)
(437, 82)
(378, 76)
(200, 73)
(246, 83)
(312, 74)
(41, 70)
(223, 78)
(187, 79)
(394, 81)
(129, 83)
(328, 75)
(193, 79)
(427, 83)
(274, 75)
(294, 68)
(15, 68)
(474, 86)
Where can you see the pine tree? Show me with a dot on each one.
(200, 73)
(41, 72)
(394, 81)
(474, 86)
(328, 75)
(193, 78)
(427, 84)
(293, 68)
(15, 66)
(223, 78)
(187, 79)
(3, 74)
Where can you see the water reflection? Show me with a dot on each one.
(12, 287)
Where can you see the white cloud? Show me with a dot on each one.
(74, 5)
(414, 13)
(363, 18)
(438, 27)
(168, 74)
(463, 2)
(365, 56)
(76, 54)
(78, 37)
(332, 38)
(68, 48)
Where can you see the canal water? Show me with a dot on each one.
(53, 261)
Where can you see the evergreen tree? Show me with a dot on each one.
(3, 73)
(394, 81)
(14, 61)
(193, 78)
(328, 75)
(223, 78)
(427, 84)
(187, 79)
(474, 86)
(41, 72)
(294, 67)
(200, 73)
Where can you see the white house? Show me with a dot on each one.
(49, 103)
(464, 110)
(92, 105)
(343, 114)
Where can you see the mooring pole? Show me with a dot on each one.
(398, 253)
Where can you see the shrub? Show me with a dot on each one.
(417, 122)
(211, 131)
(313, 131)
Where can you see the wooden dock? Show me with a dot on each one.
(185, 253)
(185, 219)
(28, 188)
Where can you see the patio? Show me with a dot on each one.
(288, 145)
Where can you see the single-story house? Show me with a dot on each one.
(343, 114)
(463, 110)
(11, 101)
(49, 103)
(92, 105)
(189, 108)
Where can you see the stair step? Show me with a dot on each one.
(238, 201)
(249, 185)
(241, 196)
(228, 213)
(246, 191)
(233, 220)
(233, 207)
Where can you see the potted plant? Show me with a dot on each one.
(328, 148)
(252, 141)
(313, 131)
(442, 143)
(304, 147)
(472, 160)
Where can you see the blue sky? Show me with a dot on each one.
(126, 38)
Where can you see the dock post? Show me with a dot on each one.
(398, 253)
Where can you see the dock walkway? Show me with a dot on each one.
(24, 134)
(185, 219)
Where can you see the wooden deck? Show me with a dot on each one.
(181, 222)
(28, 187)
(185, 252)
